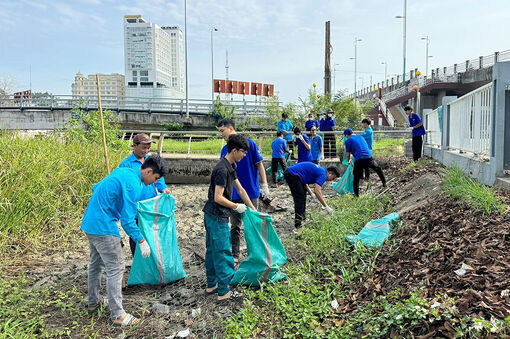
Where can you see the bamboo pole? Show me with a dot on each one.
(102, 124)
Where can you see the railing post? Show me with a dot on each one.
(480, 62)
(496, 57)
(160, 143)
(189, 144)
(454, 68)
(467, 65)
(51, 102)
(444, 70)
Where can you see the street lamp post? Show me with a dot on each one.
(385, 69)
(426, 55)
(355, 63)
(334, 79)
(213, 29)
(186, 58)
(404, 17)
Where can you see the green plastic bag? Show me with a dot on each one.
(156, 220)
(345, 184)
(376, 231)
(279, 175)
(265, 251)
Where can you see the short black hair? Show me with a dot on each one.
(279, 134)
(297, 130)
(408, 108)
(334, 170)
(310, 114)
(366, 121)
(225, 122)
(285, 115)
(237, 141)
(157, 163)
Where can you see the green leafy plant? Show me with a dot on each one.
(172, 126)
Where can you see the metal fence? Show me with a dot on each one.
(164, 105)
(432, 126)
(470, 121)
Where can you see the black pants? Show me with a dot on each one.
(132, 243)
(362, 164)
(417, 146)
(329, 145)
(290, 147)
(298, 191)
(274, 166)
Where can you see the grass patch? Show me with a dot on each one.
(324, 267)
(45, 184)
(480, 197)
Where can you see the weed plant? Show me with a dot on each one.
(45, 184)
(478, 196)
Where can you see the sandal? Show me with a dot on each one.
(234, 296)
(128, 320)
(213, 291)
(100, 305)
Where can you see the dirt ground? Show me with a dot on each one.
(438, 236)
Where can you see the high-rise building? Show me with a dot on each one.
(111, 85)
(154, 59)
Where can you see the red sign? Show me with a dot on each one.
(219, 86)
(243, 88)
(256, 88)
(268, 90)
(232, 86)
(24, 95)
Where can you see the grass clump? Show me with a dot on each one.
(45, 184)
(478, 196)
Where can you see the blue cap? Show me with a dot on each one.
(348, 131)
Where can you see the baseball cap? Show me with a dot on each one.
(142, 138)
(348, 131)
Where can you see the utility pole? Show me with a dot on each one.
(327, 64)
(228, 95)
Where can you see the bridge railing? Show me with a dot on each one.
(164, 105)
(195, 143)
(470, 122)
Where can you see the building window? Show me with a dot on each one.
(144, 73)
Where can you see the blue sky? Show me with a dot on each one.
(279, 42)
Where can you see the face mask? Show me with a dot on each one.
(310, 119)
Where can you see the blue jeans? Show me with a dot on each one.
(219, 263)
(105, 251)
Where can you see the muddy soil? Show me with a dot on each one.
(463, 236)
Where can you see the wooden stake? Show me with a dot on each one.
(102, 124)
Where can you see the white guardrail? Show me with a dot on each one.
(470, 121)
(433, 128)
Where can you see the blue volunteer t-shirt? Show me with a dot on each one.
(247, 172)
(414, 120)
(309, 123)
(316, 143)
(368, 135)
(327, 124)
(309, 173)
(279, 147)
(285, 126)
(150, 191)
(358, 147)
(114, 198)
(304, 154)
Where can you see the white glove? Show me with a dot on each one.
(329, 209)
(144, 248)
(241, 208)
(265, 191)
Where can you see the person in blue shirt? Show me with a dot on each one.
(279, 148)
(358, 147)
(285, 126)
(219, 263)
(327, 124)
(249, 170)
(368, 135)
(316, 146)
(298, 177)
(141, 148)
(114, 198)
(418, 132)
(311, 122)
(303, 146)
